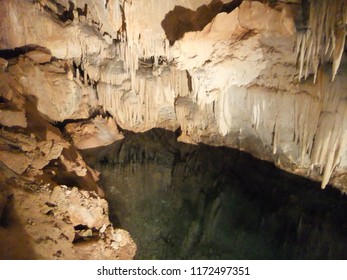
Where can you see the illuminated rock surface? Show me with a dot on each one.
(264, 77)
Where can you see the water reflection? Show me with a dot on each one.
(181, 201)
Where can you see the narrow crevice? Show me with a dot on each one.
(5, 212)
(15, 52)
(83, 233)
(189, 80)
(78, 67)
(94, 114)
(63, 15)
(67, 15)
(80, 227)
(122, 33)
(82, 12)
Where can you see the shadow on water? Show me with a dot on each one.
(181, 201)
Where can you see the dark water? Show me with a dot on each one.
(181, 201)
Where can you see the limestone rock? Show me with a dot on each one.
(224, 72)
(18, 18)
(13, 118)
(41, 229)
(16, 161)
(57, 97)
(39, 148)
(39, 56)
(260, 17)
(75, 166)
(123, 242)
(3, 63)
(37, 154)
(81, 208)
(95, 133)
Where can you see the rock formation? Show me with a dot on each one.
(266, 77)
(40, 217)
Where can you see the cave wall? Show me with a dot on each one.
(224, 72)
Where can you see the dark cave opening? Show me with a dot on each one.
(181, 201)
(15, 52)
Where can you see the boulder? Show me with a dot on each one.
(11, 118)
(16, 161)
(95, 133)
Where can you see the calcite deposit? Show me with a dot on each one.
(265, 77)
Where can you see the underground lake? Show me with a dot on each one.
(182, 201)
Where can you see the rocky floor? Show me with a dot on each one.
(51, 205)
(38, 222)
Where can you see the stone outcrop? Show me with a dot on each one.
(29, 148)
(57, 96)
(62, 223)
(94, 133)
(41, 217)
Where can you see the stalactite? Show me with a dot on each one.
(330, 137)
(148, 102)
(139, 42)
(312, 125)
(324, 38)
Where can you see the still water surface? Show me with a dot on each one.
(181, 201)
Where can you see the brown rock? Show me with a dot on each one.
(39, 56)
(80, 207)
(3, 63)
(13, 118)
(43, 230)
(96, 133)
(16, 161)
(124, 244)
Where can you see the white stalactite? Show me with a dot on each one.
(324, 38)
(216, 84)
